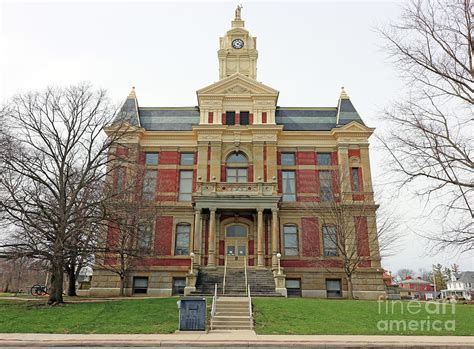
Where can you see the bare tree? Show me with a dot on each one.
(405, 272)
(430, 140)
(349, 228)
(57, 157)
(130, 216)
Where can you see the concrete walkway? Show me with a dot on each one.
(231, 339)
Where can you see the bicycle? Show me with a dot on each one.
(39, 290)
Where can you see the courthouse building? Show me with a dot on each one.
(244, 184)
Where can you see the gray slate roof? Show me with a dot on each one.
(467, 276)
(292, 118)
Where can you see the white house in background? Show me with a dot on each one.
(460, 286)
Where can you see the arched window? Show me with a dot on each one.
(237, 168)
(236, 231)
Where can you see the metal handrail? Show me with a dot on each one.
(250, 306)
(225, 272)
(245, 268)
(214, 301)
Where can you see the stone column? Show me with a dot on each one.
(197, 236)
(275, 237)
(211, 262)
(260, 256)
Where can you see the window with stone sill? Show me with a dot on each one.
(145, 237)
(149, 185)
(290, 240)
(288, 159)
(187, 159)
(181, 245)
(329, 241)
(324, 159)
(237, 168)
(151, 159)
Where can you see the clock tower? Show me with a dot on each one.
(238, 50)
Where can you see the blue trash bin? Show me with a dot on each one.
(192, 314)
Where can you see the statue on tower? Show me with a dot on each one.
(237, 12)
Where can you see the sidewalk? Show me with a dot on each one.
(231, 339)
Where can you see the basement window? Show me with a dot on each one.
(333, 288)
(140, 285)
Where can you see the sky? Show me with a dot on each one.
(168, 50)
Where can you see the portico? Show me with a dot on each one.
(237, 221)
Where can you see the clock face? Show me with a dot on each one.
(237, 44)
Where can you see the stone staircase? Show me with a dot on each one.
(232, 313)
(261, 283)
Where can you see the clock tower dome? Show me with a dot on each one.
(238, 50)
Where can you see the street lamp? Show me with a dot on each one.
(192, 261)
(278, 258)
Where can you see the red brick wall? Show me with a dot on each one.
(163, 235)
(168, 182)
(250, 174)
(175, 262)
(169, 158)
(237, 118)
(251, 119)
(310, 236)
(264, 117)
(306, 158)
(223, 119)
(251, 252)
(223, 173)
(307, 182)
(324, 263)
(353, 152)
(210, 118)
(362, 232)
(221, 251)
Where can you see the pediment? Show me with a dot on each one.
(354, 126)
(237, 84)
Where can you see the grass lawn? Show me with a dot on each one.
(128, 316)
(272, 315)
(320, 316)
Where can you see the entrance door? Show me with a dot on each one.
(236, 245)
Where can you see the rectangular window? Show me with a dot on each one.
(230, 118)
(293, 287)
(149, 185)
(333, 288)
(187, 159)
(181, 245)
(140, 285)
(325, 186)
(120, 175)
(288, 159)
(324, 159)
(330, 241)
(145, 236)
(288, 185)
(244, 117)
(355, 179)
(237, 175)
(185, 185)
(178, 286)
(290, 239)
(151, 159)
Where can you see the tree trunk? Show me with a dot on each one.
(57, 278)
(350, 294)
(122, 285)
(71, 275)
